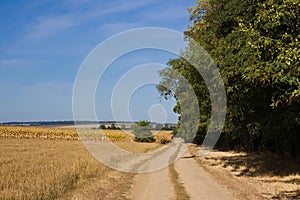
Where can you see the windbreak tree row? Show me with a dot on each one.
(255, 45)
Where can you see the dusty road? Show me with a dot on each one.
(197, 182)
(156, 185)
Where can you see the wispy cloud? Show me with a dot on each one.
(174, 12)
(48, 26)
(102, 8)
(113, 28)
(11, 62)
(122, 6)
(75, 15)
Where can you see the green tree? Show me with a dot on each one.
(273, 37)
(123, 127)
(113, 126)
(158, 127)
(142, 131)
(255, 44)
(102, 126)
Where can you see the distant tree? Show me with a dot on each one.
(123, 126)
(158, 127)
(166, 127)
(113, 126)
(102, 126)
(142, 131)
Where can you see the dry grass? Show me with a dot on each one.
(180, 191)
(163, 137)
(121, 138)
(44, 169)
(118, 136)
(56, 165)
(254, 175)
(138, 147)
(111, 135)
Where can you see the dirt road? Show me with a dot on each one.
(197, 182)
(155, 185)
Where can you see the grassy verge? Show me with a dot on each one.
(180, 191)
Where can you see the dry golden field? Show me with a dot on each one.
(44, 169)
(24, 132)
(52, 163)
(49, 163)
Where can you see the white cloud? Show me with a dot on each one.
(49, 26)
(113, 28)
(167, 13)
(76, 3)
(102, 8)
(11, 62)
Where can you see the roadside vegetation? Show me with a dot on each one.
(255, 45)
(180, 191)
(142, 131)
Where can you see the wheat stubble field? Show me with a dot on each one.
(51, 163)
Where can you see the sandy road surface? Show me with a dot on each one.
(197, 182)
(155, 185)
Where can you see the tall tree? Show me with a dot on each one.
(255, 44)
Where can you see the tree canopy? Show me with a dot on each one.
(142, 131)
(255, 45)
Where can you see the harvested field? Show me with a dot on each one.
(49, 163)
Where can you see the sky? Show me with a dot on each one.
(43, 44)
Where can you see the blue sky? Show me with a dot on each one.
(43, 43)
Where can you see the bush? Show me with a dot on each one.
(142, 132)
(102, 126)
(163, 137)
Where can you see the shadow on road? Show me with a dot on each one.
(187, 157)
(260, 165)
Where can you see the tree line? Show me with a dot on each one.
(142, 123)
(255, 45)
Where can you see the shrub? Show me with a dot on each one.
(163, 137)
(142, 131)
(102, 126)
